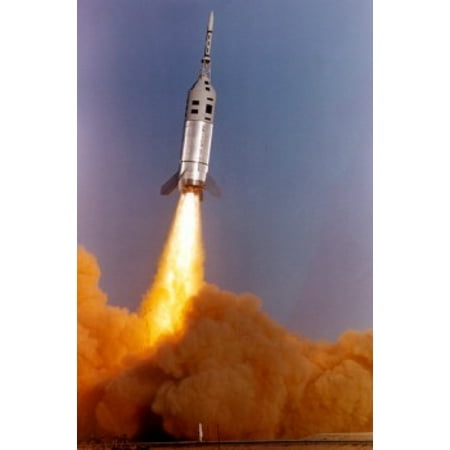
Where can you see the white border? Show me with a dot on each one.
(38, 193)
(411, 226)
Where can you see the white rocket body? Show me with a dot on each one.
(192, 174)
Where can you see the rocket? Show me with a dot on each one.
(192, 174)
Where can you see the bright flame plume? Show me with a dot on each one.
(179, 275)
(216, 360)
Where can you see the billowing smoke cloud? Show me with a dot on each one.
(232, 368)
(107, 338)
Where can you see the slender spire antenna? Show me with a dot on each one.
(206, 60)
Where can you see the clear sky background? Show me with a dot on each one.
(292, 149)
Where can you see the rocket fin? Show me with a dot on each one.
(212, 186)
(170, 184)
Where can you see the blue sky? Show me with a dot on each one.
(292, 149)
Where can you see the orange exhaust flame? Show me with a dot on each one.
(230, 366)
(179, 275)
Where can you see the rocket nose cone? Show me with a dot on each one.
(211, 21)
